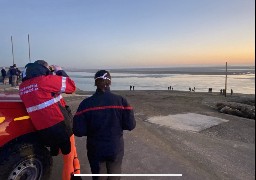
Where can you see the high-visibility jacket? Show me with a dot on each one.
(41, 94)
(42, 98)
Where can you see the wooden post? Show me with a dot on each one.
(12, 52)
(226, 79)
(29, 49)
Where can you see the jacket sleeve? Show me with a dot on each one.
(59, 84)
(128, 120)
(61, 73)
(79, 122)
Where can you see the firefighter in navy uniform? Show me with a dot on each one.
(40, 91)
(102, 118)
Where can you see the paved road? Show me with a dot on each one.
(226, 151)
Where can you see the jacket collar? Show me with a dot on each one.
(99, 91)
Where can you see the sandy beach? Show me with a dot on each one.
(223, 151)
(223, 147)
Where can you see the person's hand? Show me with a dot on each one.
(51, 68)
(56, 68)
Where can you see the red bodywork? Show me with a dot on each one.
(14, 120)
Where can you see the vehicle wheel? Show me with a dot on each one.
(26, 162)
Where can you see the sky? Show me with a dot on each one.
(128, 33)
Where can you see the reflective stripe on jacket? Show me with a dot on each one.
(102, 118)
(41, 96)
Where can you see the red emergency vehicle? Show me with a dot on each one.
(21, 154)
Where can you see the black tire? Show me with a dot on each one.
(25, 162)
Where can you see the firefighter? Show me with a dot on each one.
(40, 91)
(102, 118)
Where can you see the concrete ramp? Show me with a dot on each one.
(187, 122)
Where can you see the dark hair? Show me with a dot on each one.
(102, 74)
(42, 62)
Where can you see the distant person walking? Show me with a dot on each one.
(14, 75)
(224, 91)
(18, 72)
(3, 72)
(102, 118)
(9, 75)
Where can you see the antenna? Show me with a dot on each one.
(12, 52)
(226, 79)
(29, 49)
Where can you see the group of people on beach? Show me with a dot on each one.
(223, 92)
(11, 76)
(101, 117)
(132, 88)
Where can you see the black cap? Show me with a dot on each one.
(34, 70)
(102, 74)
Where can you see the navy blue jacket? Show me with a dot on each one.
(3, 71)
(13, 71)
(102, 118)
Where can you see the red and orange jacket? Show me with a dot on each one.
(42, 97)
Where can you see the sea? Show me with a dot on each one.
(241, 79)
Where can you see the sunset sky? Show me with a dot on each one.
(128, 33)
